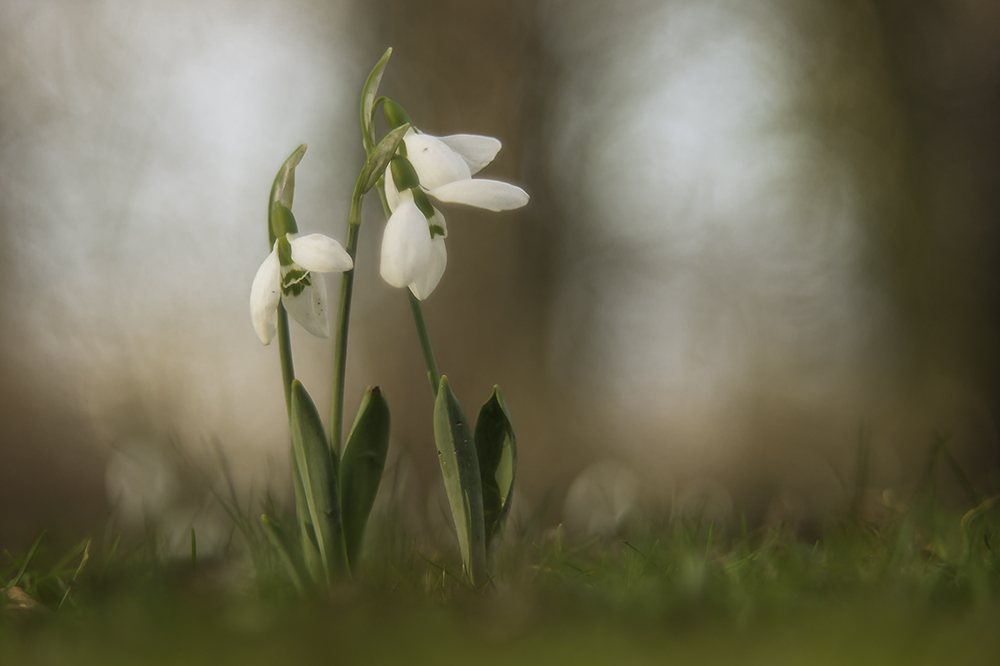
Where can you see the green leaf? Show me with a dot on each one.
(368, 100)
(321, 512)
(460, 469)
(286, 552)
(380, 157)
(24, 565)
(496, 447)
(310, 552)
(361, 468)
(282, 190)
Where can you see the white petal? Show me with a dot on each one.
(406, 245)
(321, 254)
(309, 307)
(477, 151)
(391, 193)
(432, 271)
(481, 193)
(264, 296)
(434, 162)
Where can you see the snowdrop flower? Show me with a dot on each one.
(287, 276)
(413, 250)
(445, 166)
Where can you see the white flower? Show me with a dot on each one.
(413, 250)
(410, 256)
(287, 276)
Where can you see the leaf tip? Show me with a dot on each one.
(296, 156)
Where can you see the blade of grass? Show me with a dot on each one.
(83, 563)
(27, 560)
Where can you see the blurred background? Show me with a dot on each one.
(762, 236)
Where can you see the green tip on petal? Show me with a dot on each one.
(423, 204)
(395, 114)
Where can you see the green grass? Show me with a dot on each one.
(913, 584)
(908, 590)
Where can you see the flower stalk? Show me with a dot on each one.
(343, 326)
(425, 343)
(285, 352)
(378, 157)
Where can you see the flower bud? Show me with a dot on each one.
(395, 114)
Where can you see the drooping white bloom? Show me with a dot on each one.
(410, 256)
(413, 250)
(287, 276)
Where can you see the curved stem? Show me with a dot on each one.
(285, 352)
(433, 376)
(343, 325)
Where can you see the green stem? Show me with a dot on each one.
(433, 376)
(285, 351)
(287, 377)
(343, 325)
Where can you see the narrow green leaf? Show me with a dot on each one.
(283, 189)
(76, 574)
(380, 157)
(58, 570)
(496, 447)
(361, 468)
(319, 484)
(27, 560)
(368, 100)
(310, 551)
(286, 552)
(460, 469)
